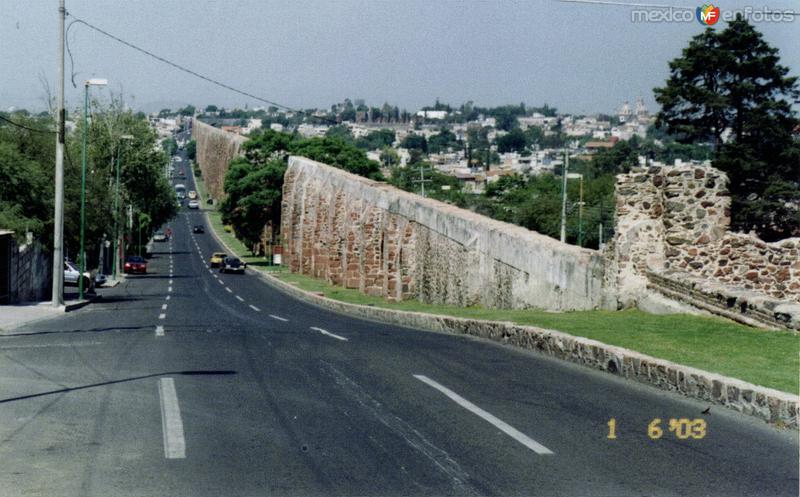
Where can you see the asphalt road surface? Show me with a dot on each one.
(187, 382)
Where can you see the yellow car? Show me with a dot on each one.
(217, 258)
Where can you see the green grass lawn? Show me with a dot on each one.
(767, 358)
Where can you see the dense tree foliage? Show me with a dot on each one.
(191, 149)
(731, 82)
(26, 177)
(254, 182)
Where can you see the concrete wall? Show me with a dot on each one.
(671, 235)
(215, 150)
(383, 241)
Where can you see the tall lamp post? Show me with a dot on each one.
(81, 254)
(115, 260)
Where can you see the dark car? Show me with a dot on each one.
(198, 228)
(135, 264)
(232, 265)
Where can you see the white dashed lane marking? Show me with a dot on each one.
(171, 423)
(159, 331)
(162, 316)
(240, 298)
(163, 307)
(328, 333)
(255, 308)
(498, 423)
(273, 316)
(228, 290)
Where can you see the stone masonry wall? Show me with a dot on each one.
(215, 150)
(673, 221)
(373, 237)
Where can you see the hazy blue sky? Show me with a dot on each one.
(580, 58)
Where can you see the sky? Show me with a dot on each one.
(580, 58)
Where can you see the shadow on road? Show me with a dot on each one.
(124, 380)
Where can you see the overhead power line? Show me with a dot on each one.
(179, 67)
(35, 130)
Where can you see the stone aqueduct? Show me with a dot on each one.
(671, 249)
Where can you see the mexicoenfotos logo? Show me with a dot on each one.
(708, 15)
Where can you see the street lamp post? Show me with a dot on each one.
(115, 260)
(81, 254)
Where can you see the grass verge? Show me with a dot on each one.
(762, 357)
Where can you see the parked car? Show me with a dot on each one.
(135, 264)
(194, 204)
(232, 265)
(71, 273)
(198, 228)
(217, 258)
(159, 237)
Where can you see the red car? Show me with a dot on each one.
(135, 264)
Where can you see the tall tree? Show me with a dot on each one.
(730, 83)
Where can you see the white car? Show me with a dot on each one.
(71, 273)
(194, 204)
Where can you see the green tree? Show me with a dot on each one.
(170, 146)
(187, 111)
(254, 182)
(389, 157)
(191, 149)
(732, 81)
(415, 142)
(443, 141)
(513, 141)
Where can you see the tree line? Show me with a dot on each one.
(27, 165)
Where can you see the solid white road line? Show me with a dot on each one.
(171, 424)
(240, 298)
(273, 316)
(498, 423)
(326, 332)
(163, 307)
(255, 308)
(159, 331)
(162, 316)
(228, 289)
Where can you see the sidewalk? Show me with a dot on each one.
(15, 316)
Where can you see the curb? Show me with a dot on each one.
(779, 409)
(81, 303)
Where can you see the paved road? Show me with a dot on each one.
(185, 382)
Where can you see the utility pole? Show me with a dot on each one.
(58, 216)
(564, 198)
(422, 179)
(580, 216)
